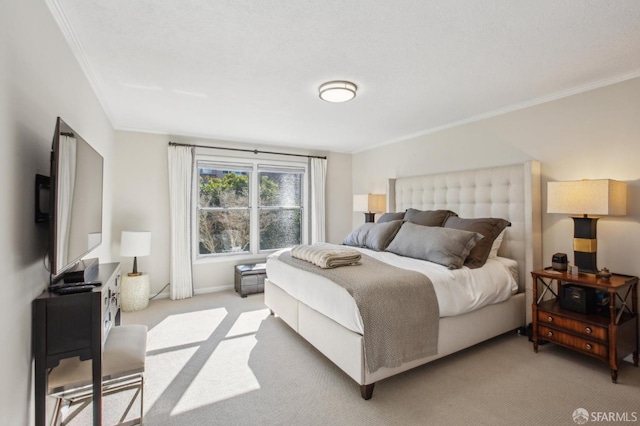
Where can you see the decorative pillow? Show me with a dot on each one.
(374, 236)
(496, 245)
(444, 246)
(428, 217)
(489, 228)
(388, 217)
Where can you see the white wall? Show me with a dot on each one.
(591, 135)
(141, 202)
(39, 80)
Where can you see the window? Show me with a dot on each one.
(224, 208)
(249, 207)
(280, 212)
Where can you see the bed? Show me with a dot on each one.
(508, 192)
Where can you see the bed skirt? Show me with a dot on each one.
(345, 348)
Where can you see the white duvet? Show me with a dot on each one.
(458, 291)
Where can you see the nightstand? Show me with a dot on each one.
(608, 336)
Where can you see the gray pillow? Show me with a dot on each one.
(388, 217)
(488, 227)
(444, 246)
(428, 217)
(374, 236)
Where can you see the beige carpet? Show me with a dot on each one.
(219, 359)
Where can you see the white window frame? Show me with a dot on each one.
(253, 203)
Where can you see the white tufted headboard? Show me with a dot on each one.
(508, 192)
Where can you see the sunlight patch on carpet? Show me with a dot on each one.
(184, 329)
(165, 372)
(248, 322)
(225, 374)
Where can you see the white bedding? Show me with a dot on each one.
(458, 291)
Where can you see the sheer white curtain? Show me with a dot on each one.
(318, 177)
(180, 194)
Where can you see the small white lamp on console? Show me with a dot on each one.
(135, 285)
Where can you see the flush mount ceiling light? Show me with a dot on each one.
(338, 91)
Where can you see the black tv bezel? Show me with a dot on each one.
(58, 274)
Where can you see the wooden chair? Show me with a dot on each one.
(123, 366)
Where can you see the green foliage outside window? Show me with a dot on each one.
(224, 215)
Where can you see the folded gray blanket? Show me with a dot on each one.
(325, 255)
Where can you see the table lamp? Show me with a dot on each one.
(600, 197)
(134, 244)
(370, 204)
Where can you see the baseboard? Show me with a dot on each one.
(205, 290)
(212, 289)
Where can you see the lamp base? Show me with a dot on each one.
(369, 217)
(135, 272)
(586, 262)
(585, 244)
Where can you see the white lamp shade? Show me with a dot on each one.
(594, 197)
(135, 244)
(375, 203)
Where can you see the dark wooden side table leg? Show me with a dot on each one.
(534, 315)
(634, 305)
(613, 352)
(40, 355)
(97, 391)
(96, 360)
(40, 393)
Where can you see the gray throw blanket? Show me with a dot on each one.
(326, 255)
(399, 309)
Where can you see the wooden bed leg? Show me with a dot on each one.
(271, 312)
(367, 391)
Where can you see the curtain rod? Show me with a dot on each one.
(255, 151)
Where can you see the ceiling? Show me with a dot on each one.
(249, 70)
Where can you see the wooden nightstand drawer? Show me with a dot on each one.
(575, 342)
(589, 331)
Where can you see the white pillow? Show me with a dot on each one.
(496, 244)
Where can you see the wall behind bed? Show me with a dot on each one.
(593, 134)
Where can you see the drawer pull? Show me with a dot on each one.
(588, 346)
(588, 330)
(549, 333)
(550, 319)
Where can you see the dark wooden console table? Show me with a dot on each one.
(74, 325)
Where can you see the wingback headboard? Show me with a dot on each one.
(508, 192)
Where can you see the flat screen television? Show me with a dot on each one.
(75, 213)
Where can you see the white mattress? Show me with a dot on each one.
(458, 291)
